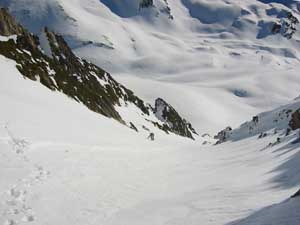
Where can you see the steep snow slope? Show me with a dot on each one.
(61, 163)
(33, 112)
(64, 164)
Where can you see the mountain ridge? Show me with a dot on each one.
(78, 79)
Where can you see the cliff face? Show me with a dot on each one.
(61, 70)
(8, 25)
(295, 120)
(173, 121)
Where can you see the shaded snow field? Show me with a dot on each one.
(62, 164)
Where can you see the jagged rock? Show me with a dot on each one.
(297, 194)
(262, 135)
(288, 131)
(276, 28)
(146, 3)
(167, 10)
(286, 26)
(132, 126)
(295, 121)
(173, 122)
(255, 119)
(8, 25)
(162, 8)
(223, 135)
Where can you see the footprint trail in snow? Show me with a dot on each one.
(16, 199)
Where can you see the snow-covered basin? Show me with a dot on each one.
(62, 164)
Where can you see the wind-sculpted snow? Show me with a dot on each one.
(217, 12)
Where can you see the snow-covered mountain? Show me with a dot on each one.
(59, 69)
(217, 46)
(74, 72)
(283, 120)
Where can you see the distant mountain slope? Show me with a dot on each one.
(281, 122)
(284, 2)
(131, 8)
(131, 36)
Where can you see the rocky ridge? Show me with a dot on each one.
(283, 122)
(61, 70)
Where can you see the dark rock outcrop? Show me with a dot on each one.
(276, 28)
(166, 10)
(295, 120)
(173, 122)
(146, 3)
(223, 135)
(8, 25)
(297, 194)
(287, 26)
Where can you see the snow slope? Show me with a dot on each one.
(284, 213)
(64, 164)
